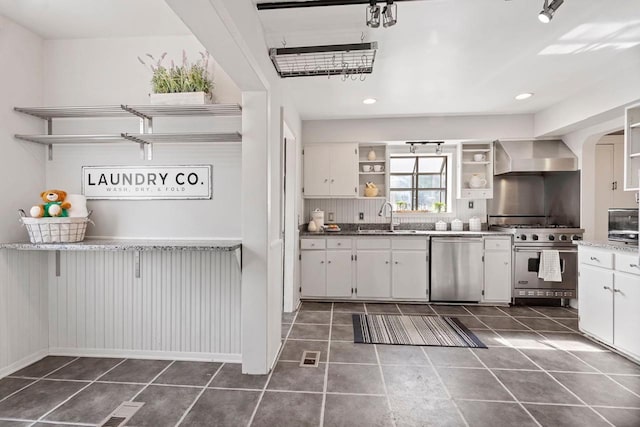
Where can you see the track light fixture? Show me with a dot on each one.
(389, 14)
(412, 145)
(548, 10)
(373, 15)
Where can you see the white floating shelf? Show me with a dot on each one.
(476, 163)
(371, 198)
(372, 161)
(372, 173)
(634, 155)
(142, 111)
(634, 125)
(476, 150)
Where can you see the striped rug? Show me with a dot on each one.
(413, 330)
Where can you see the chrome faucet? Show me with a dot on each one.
(387, 203)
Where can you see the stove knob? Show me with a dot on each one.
(523, 237)
(563, 237)
(576, 237)
(552, 237)
(534, 237)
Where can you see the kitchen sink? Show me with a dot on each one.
(386, 232)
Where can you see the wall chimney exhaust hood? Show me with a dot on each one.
(533, 156)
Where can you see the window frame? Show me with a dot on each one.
(444, 174)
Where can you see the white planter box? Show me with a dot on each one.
(181, 98)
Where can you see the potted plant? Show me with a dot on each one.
(189, 83)
(439, 206)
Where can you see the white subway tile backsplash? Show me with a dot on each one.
(348, 210)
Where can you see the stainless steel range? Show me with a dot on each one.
(530, 240)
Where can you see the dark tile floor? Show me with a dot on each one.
(537, 371)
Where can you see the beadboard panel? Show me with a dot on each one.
(23, 308)
(184, 301)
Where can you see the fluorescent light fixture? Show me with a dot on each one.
(369, 101)
(373, 15)
(522, 96)
(548, 10)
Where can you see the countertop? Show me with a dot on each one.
(417, 233)
(605, 244)
(130, 245)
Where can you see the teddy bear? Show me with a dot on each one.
(54, 205)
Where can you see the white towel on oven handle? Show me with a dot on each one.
(550, 270)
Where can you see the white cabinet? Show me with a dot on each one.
(339, 274)
(331, 170)
(497, 270)
(409, 274)
(632, 149)
(373, 273)
(314, 273)
(609, 298)
(627, 312)
(595, 302)
(475, 170)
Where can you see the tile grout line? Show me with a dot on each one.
(35, 379)
(508, 391)
(553, 378)
(264, 388)
(444, 386)
(384, 383)
(326, 369)
(190, 407)
(77, 392)
(152, 380)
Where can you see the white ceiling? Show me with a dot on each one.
(443, 57)
(462, 56)
(67, 19)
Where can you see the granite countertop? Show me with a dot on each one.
(422, 233)
(130, 245)
(605, 244)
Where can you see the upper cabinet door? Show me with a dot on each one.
(331, 170)
(344, 169)
(317, 172)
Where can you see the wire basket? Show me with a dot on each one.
(55, 230)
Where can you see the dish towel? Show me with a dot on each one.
(549, 270)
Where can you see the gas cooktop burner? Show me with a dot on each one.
(538, 226)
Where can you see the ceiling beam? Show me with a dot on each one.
(315, 3)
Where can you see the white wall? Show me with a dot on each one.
(418, 128)
(107, 71)
(23, 172)
(23, 287)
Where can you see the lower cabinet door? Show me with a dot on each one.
(409, 274)
(314, 273)
(497, 276)
(626, 311)
(373, 274)
(339, 275)
(595, 302)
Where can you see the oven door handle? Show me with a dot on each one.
(563, 251)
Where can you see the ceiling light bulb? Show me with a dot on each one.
(548, 10)
(369, 101)
(373, 15)
(522, 96)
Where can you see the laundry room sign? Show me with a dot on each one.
(147, 182)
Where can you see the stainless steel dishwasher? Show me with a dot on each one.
(456, 269)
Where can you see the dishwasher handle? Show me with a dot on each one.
(456, 239)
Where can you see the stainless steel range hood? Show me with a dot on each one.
(533, 156)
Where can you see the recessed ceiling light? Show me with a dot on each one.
(369, 101)
(524, 96)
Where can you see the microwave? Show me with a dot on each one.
(623, 225)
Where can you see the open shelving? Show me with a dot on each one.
(145, 113)
(632, 149)
(378, 178)
(468, 167)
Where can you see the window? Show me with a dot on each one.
(418, 183)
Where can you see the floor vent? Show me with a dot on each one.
(122, 414)
(310, 359)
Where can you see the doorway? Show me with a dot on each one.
(289, 220)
